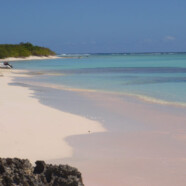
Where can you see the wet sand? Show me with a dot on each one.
(148, 149)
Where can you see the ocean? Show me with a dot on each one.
(158, 78)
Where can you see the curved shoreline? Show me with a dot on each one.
(139, 97)
(29, 129)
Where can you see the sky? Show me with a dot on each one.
(96, 26)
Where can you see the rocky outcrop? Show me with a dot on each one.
(20, 172)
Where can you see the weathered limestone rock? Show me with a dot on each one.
(20, 172)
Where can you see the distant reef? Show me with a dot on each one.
(23, 50)
(20, 172)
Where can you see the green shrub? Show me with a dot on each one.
(23, 50)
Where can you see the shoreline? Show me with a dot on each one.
(11, 59)
(137, 97)
(29, 129)
(30, 58)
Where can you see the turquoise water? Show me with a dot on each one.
(157, 76)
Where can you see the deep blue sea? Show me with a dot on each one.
(154, 77)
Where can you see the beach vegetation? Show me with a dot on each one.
(23, 50)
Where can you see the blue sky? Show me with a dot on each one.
(91, 26)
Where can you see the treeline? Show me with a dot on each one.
(23, 50)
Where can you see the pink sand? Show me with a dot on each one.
(31, 130)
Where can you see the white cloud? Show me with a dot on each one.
(169, 38)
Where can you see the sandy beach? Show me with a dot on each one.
(29, 58)
(31, 130)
